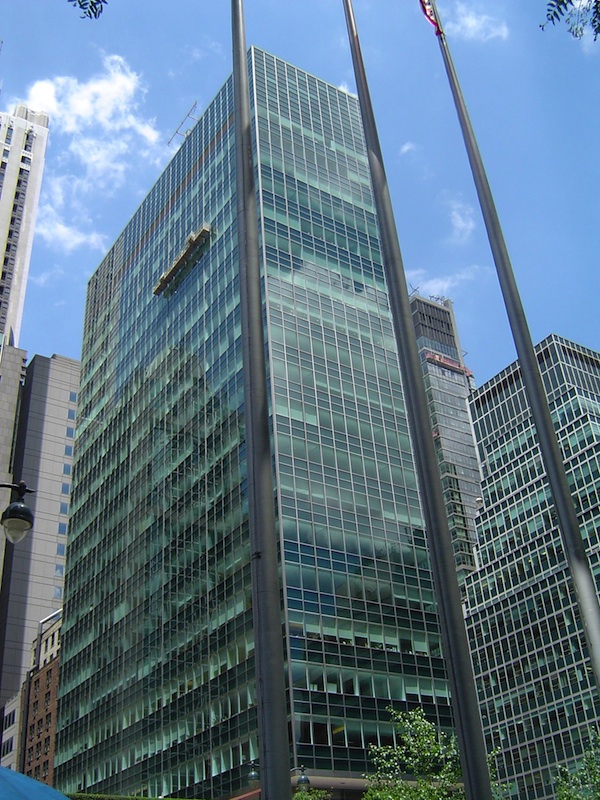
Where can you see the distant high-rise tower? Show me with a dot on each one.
(158, 691)
(23, 137)
(448, 384)
(536, 687)
(42, 455)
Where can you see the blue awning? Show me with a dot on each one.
(14, 786)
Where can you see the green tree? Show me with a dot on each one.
(424, 766)
(309, 793)
(579, 15)
(585, 783)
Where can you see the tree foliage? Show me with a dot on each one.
(586, 781)
(579, 15)
(424, 766)
(89, 8)
(310, 793)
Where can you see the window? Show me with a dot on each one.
(72, 397)
(60, 549)
(70, 433)
(68, 449)
(66, 469)
(71, 413)
(64, 508)
(65, 488)
(7, 746)
(62, 528)
(9, 719)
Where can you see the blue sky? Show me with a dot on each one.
(118, 88)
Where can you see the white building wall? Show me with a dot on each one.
(23, 138)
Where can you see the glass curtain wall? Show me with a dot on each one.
(158, 692)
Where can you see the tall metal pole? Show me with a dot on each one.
(274, 751)
(464, 697)
(583, 581)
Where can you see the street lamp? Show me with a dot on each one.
(17, 518)
(17, 521)
(303, 781)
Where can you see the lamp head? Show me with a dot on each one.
(17, 521)
(303, 780)
(253, 775)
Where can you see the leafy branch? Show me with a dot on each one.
(90, 9)
(577, 14)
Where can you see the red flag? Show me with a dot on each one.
(430, 14)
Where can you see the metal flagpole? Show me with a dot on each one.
(456, 649)
(273, 736)
(581, 574)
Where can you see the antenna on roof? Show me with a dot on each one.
(189, 115)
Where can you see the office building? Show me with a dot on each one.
(11, 728)
(157, 681)
(39, 450)
(448, 384)
(23, 137)
(29, 724)
(40, 701)
(12, 377)
(536, 686)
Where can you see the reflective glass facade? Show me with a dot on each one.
(534, 679)
(157, 679)
(448, 384)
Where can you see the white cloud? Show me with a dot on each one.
(106, 161)
(407, 147)
(47, 277)
(56, 233)
(107, 101)
(589, 45)
(462, 221)
(466, 23)
(209, 48)
(99, 137)
(99, 120)
(441, 285)
(343, 87)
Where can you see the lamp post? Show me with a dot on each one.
(17, 521)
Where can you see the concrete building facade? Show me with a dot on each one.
(40, 703)
(42, 455)
(23, 138)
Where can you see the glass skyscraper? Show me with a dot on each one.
(157, 681)
(536, 688)
(448, 385)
